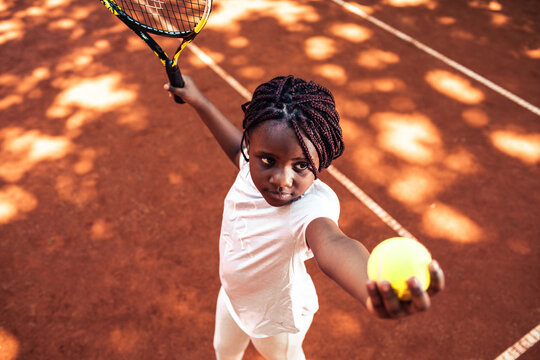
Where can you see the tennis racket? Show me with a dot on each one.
(173, 18)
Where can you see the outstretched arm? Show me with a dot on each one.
(226, 134)
(344, 260)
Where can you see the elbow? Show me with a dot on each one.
(328, 266)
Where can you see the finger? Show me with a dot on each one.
(373, 293)
(374, 302)
(166, 87)
(390, 299)
(437, 281)
(171, 89)
(420, 298)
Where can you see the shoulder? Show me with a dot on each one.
(322, 189)
(319, 201)
(321, 193)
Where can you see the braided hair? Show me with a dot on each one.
(307, 107)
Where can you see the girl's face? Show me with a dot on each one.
(279, 168)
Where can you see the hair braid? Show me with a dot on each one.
(307, 107)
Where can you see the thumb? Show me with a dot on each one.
(170, 88)
(173, 90)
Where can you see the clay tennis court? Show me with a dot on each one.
(111, 194)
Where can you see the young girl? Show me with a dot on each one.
(278, 214)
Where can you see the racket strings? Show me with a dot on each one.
(170, 16)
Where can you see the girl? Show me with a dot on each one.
(279, 214)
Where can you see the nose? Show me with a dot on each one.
(281, 177)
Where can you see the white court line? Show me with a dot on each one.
(524, 344)
(357, 11)
(527, 341)
(219, 70)
(338, 175)
(533, 336)
(369, 202)
(513, 352)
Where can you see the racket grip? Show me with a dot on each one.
(175, 77)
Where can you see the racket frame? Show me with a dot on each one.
(144, 31)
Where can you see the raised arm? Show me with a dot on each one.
(344, 260)
(225, 132)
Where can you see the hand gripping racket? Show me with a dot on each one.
(173, 18)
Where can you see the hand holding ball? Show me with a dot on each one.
(397, 260)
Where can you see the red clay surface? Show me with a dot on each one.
(111, 194)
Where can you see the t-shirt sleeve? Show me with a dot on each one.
(328, 207)
(320, 203)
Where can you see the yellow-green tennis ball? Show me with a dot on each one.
(397, 260)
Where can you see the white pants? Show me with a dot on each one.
(230, 341)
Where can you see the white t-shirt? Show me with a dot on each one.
(262, 252)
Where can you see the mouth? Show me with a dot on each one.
(279, 195)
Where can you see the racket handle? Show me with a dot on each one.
(175, 77)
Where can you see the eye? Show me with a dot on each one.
(301, 166)
(267, 161)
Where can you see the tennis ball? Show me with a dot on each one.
(397, 260)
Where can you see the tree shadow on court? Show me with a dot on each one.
(103, 254)
(496, 39)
